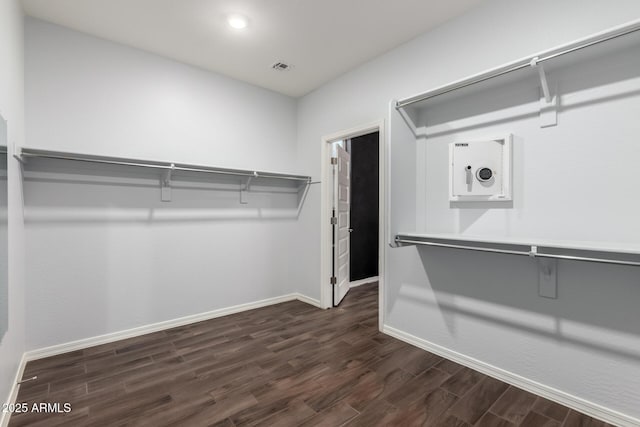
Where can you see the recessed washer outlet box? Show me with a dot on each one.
(480, 170)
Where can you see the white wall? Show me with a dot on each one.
(105, 256)
(12, 109)
(583, 343)
(571, 181)
(89, 95)
(4, 234)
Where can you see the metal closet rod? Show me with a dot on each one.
(525, 63)
(157, 165)
(532, 253)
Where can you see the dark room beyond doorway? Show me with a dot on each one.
(364, 152)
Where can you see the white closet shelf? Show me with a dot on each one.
(168, 171)
(605, 252)
(616, 38)
(26, 153)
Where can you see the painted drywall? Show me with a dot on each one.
(486, 306)
(105, 254)
(93, 96)
(4, 233)
(571, 181)
(12, 109)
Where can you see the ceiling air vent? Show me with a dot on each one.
(281, 66)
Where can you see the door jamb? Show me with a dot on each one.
(325, 211)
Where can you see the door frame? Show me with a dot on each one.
(326, 186)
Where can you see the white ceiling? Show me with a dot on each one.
(321, 38)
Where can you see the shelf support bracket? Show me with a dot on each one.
(543, 79)
(548, 278)
(547, 274)
(20, 159)
(247, 188)
(17, 154)
(165, 184)
(417, 132)
(549, 101)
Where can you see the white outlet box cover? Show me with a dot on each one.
(480, 170)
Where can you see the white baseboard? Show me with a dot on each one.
(308, 300)
(363, 281)
(13, 393)
(155, 327)
(589, 408)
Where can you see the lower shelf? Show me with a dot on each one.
(603, 252)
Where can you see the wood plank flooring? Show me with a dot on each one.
(289, 364)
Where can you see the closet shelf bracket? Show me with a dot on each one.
(20, 159)
(247, 187)
(17, 154)
(543, 78)
(549, 100)
(165, 185)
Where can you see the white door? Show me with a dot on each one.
(341, 223)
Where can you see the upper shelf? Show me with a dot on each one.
(167, 167)
(617, 38)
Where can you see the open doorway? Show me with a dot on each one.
(364, 208)
(363, 151)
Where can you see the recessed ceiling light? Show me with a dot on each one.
(238, 22)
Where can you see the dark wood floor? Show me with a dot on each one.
(289, 364)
